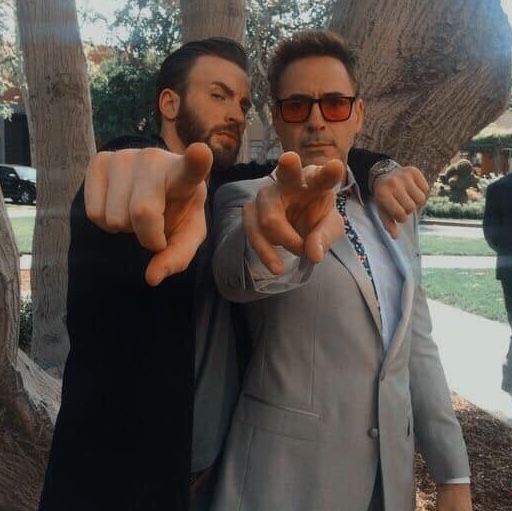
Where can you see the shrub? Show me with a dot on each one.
(25, 337)
(442, 207)
(458, 177)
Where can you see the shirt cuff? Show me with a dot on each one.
(296, 271)
(458, 480)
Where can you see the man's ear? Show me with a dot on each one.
(169, 104)
(276, 118)
(359, 113)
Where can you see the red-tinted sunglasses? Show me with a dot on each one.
(334, 107)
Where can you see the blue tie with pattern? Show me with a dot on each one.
(350, 232)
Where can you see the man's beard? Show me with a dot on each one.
(190, 130)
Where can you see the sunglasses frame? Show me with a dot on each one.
(311, 100)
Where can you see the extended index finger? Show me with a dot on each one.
(289, 173)
(190, 170)
(326, 177)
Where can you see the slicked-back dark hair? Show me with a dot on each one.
(175, 69)
(310, 43)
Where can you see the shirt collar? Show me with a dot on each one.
(351, 186)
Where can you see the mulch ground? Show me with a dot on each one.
(489, 443)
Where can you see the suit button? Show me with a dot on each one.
(373, 433)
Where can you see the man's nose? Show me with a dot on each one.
(235, 114)
(316, 119)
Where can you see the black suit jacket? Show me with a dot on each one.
(122, 441)
(498, 224)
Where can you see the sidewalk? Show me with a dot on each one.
(458, 230)
(20, 211)
(473, 350)
(464, 262)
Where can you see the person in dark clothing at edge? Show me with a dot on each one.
(152, 342)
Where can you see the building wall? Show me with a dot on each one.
(16, 140)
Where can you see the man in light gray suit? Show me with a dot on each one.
(345, 374)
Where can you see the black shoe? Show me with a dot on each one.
(506, 383)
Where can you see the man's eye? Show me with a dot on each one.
(218, 96)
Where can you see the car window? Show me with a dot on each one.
(28, 173)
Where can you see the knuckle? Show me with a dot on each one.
(141, 210)
(401, 216)
(269, 222)
(179, 266)
(116, 224)
(94, 215)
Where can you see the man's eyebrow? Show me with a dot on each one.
(230, 92)
(246, 102)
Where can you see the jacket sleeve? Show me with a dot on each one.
(239, 274)
(126, 411)
(437, 430)
(493, 221)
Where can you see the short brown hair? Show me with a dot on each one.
(311, 43)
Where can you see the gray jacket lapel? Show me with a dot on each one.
(343, 250)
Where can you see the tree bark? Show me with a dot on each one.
(433, 74)
(209, 18)
(60, 126)
(29, 398)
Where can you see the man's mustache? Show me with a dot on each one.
(233, 129)
(317, 141)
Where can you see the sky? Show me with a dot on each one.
(97, 32)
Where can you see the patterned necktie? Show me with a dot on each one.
(350, 232)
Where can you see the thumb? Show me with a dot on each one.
(327, 176)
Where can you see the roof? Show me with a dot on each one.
(491, 137)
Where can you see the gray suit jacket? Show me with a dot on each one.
(322, 402)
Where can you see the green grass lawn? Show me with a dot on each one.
(475, 291)
(442, 245)
(23, 228)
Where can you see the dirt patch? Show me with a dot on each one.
(489, 443)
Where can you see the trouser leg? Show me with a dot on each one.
(507, 366)
(377, 502)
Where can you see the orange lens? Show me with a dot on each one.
(336, 108)
(295, 110)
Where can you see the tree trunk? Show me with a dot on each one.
(60, 125)
(433, 73)
(209, 18)
(29, 398)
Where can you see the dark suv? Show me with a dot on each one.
(18, 183)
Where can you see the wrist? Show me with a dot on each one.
(381, 168)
